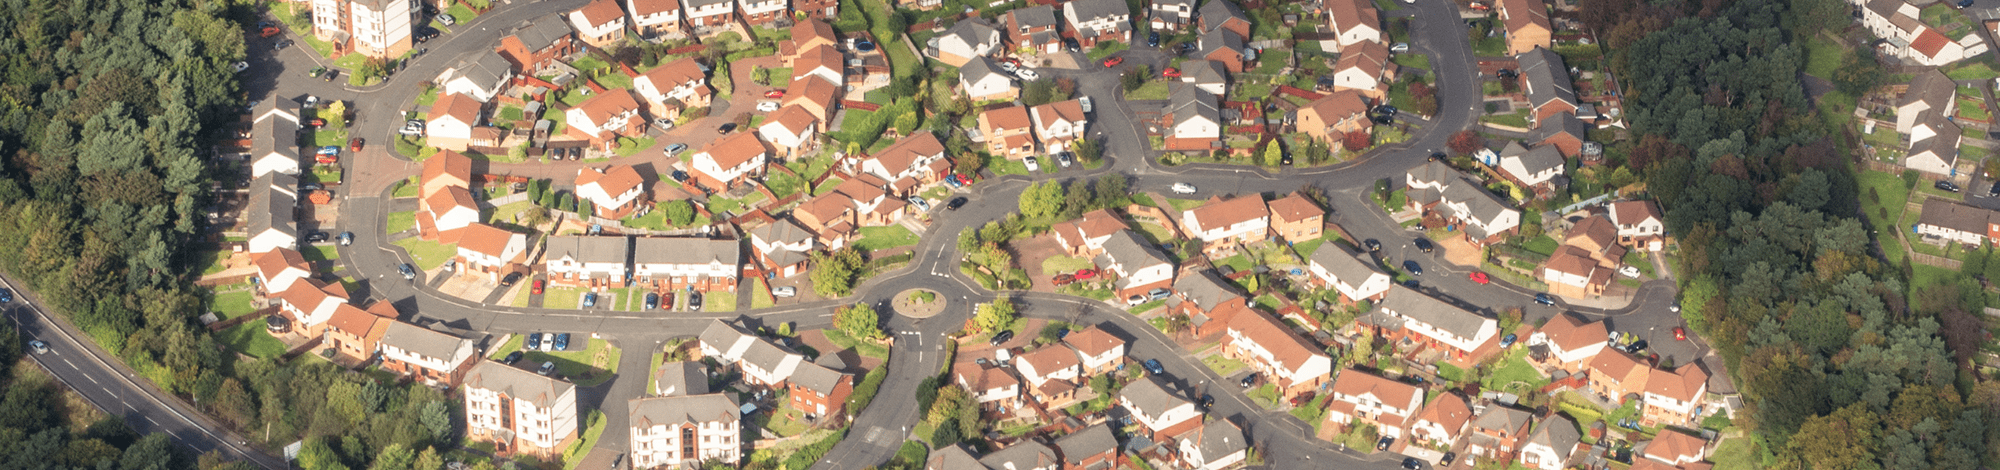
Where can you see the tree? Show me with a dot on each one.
(1112, 191)
(1466, 141)
(1273, 156)
(995, 316)
(968, 240)
(1087, 151)
(1843, 440)
(394, 457)
(907, 123)
(316, 455)
(334, 112)
(833, 273)
(859, 321)
(1044, 199)
(1132, 79)
(428, 460)
(1975, 262)
(679, 212)
(1356, 141)
(1038, 92)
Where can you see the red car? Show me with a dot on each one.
(316, 122)
(774, 94)
(1680, 334)
(537, 289)
(1171, 72)
(1086, 274)
(1063, 279)
(1114, 61)
(356, 143)
(1479, 277)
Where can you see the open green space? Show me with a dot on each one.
(1222, 366)
(593, 365)
(429, 254)
(401, 221)
(885, 237)
(1152, 90)
(1065, 264)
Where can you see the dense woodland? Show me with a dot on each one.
(106, 109)
(1842, 364)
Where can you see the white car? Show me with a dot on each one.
(767, 106)
(1629, 271)
(1008, 66)
(448, 20)
(242, 66)
(1029, 74)
(1183, 188)
(1085, 101)
(1032, 164)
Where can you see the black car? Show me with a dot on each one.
(1945, 185)
(680, 176)
(1384, 443)
(409, 273)
(1423, 244)
(317, 237)
(1248, 380)
(652, 301)
(1372, 245)
(1447, 459)
(1413, 268)
(330, 73)
(1001, 338)
(562, 341)
(1637, 346)
(1285, 160)
(1412, 283)
(1153, 39)
(6, 296)
(1437, 156)
(281, 45)
(346, 239)
(726, 128)
(1544, 299)
(1412, 463)
(954, 203)
(1207, 401)
(1386, 110)
(1072, 46)
(1186, 47)
(426, 33)
(1153, 367)
(1965, 3)
(1505, 74)
(1994, 190)
(510, 279)
(694, 301)
(511, 358)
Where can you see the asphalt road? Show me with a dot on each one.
(918, 352)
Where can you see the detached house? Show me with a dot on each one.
(1161, 414)
(1098, 352)
(1052, 373)
(1406, 312)
(818, 391)
(1564, 131)
(1086, 236)
(605, 117)
(489, 250)
(1539, 170)
(1675, 448)
(683, 431)
(1193, 120)
(1617, 377)
(1222, 46)
(445, 212)
(1171, 15)
(1023, 455)
(1354, 22)
(1567, 343)
(308, 306)
(655, 19)
(1640, 225)
(672, 87)
(967, 39)
(1439, 191)
(1355, 279)
(708, 15)
(1571, 272)
(1498, 432)
(791, 131)
(1930, 93)
(1297, 218)
(683, 264)
(728, 161)
(1364, 68)
(782, 247)
(615, 192)
(1527, 23)
(807, 36)
(1551, 445)
(1372, 399)
(1209, 302)
(447, 169)
(760, 12)
(1098, 20)
(274, 141)
(1033, 28)
(1269, 347)
(279, 268)
(992, 387)
(518, 411)
(1223, 14)
(538, 45)
(1442, 421)
(482, 77)
(1934, 138)
(354, 333)
(1139, 267)
(1221, 225)
(586, 261)
(1058, 123)
(427, 355)
(1546, 81)
(912, 163)
(601, 23)
(1008, 132)
(981, 80)
(680, 378)
(1674, 397)
(450, 122)
(1216, 445)
(273, 213)
(1205, 75)
(1094, 447)
(1331, 117)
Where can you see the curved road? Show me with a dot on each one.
(917, 352)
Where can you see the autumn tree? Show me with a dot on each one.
(1356, 141)
(1466, 141)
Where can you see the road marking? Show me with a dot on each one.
(149, 419)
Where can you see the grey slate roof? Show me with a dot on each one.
(766, 355)
(1432, 172)
(1125, 248)
(1187, 102)
(1205, 72)
(1042, 16)
(721, 335)
(1501, 417)
(280, 134)
(1218, 38)
(973, 31)
(588, 249)
(1417, 306)
(1150, 397)
(687, 251)
(693, 4)
(516, 383)
(1945, 143)
(425, 341)
(693, 409)
(1561, 123)
(544, 32)
(1090, 441)
(977, 69)
(486, 69)
(1087, 10)
(1022, 455)
(1215, 12)
(783, 231)
(1547, 78)
(1220, 437)
(1205, 289)
(1182, 4)
(681, 378)
(273, 204)
(1929, 86)
(1482, 205)
(1558, 432)
(1343, 264)
(952, 458)
(1536, 160)
(814, 377)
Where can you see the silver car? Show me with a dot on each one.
(548, 342)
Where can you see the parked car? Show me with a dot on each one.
(1071, 45)
(922, 205)
(534, 342)
(510, 279)
(1028, 74)
(590, 299)
(1063, 279)
(562, 342)
(1371, 245)
(1248, 380)
(1945, 186)
(281, 44)
(767, 106)
(1001, 338)
(1086, 274)
(1413, 267)
(1033, 166)
(1508, 340)
(1400, 47)
(1629, 271)
(547, 367)
(356, 143)
(1447, 459)
(6, 296)
(536, 288)
(346, 239)
(1680, 334)
(1113, 61)
(1084, 102)
(409, 273)
(1302, 399)
(1135, 300)
(694, 301)
(1479, 277)
(1153, 39)
(448, 20)
(955, 203)
(676, 148)
(512, 357)
(1384, 444)
(241, 66)
(1153, 367)
(1183, 188)
(667, 300)
(315, 72)
(679, 175)
(1639, 345)
(1424, 245)
(330, 74)
(652, 301)
(787, 291)
(1065, 160)
(1412, 463)
(1171, 72)
(726, 128)
(1544, 299)
(1207, 401)
(317, 236)
(1158, 293)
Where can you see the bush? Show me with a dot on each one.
(865, 393)
(805, 456)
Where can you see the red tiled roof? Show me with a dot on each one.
(1289, 350)
(276, 261)
(614, 180)
(1356, 383)
(352, 320)
(675, 73)
(734, 150)
(1684, 384)
(485, 239)
(601, 12)
(448, 163)
(1571, 334)
(1929, 42)
(1093, 341)
(458, 106)
(602, 106)
(1295, 208)
(1218, 213)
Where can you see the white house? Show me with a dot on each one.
(489, 249)
(1138, 266)
(449, 124)
(682, 263)
(759, 12)
(790, 130)
(309, 303)
(614, 192)
(1171, 15)
(1569, 340)
(1442, 421)
(1906, 34)
(1355, 279)
(1052, 362)
(990, 386)
(1551, 444)
(1269, 347)
(762, 362)
(1058, 123)
(481, 77)
(1099, 351)
(966, 40)
(911, 162)
(680, 80)
(279, 268)
(1164, 414)
(431, 356)
(1098, 20)
(823, 61)
(274, 141)
(982, 80)
(676, 430)
(653, 18)
(1639, 224)
(1216, 445)
(1530, 167)
(1956, 222)
(707, 14)
(1244, 219)
(606, 116)
(1386, 403)
(782, 247)
(1354, 22)
(1194, 118)
(578, 260)
(450, 209)
(273, 213)
(518, 410)
(1435, 186)
(729, 160)
(1443, 323)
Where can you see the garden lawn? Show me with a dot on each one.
(351, 61)
(250, 339)
(599, 359)
(719, 301)
(1542, 244)
(561, 297)
(1413, 60)
(233, 304)
(1222, 366)
(429, 254)
(1969, 71)
(1065, 264)
(401, 221)
(461, 13)
(1515, 376)
(759, 296)
(1152, 90)
(320, 253)
(1736, 454)
(886, 237)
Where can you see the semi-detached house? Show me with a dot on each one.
(600, 23)
(518, 411)
(1193, 119)
(1406, 312)
(818, 391)
(274, 140)
(1222, 225)
(729, 161)
(1354, 22)
(992, 387)
(307, 306)
(1086, 236)
(762, 362)
(1094, 447)
(586, 261)
(1270, 348)
(791, 131)
(760, 12)
(1498, 432)
(1223, 15)
(1099, 20)
(354, 333)
(1297, 218)
(705, 15)
(614, 192)
(1170, 15)
(490, 251)
(273, 213)
(1355, 279)
(1373, 399)
(278, 269)
(1034, 28)
(427, 355)
(1216, 445)
(1442, 192)
(1009, 132)
(1059, 123)
(450, 121)
(1208, 301)
(655, 18)
(1098, 351)
(539, 45)
(1140, 268)
(687, 263)
(1957, 222)
(605, 117)
(1442, 421)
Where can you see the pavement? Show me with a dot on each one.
(918, 349)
